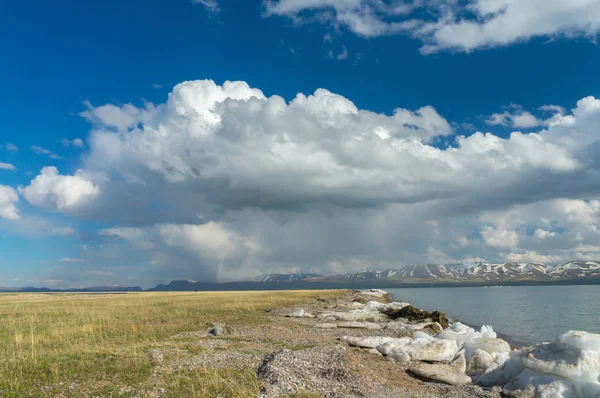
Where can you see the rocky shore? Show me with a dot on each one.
(365, 345)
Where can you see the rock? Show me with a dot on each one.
(432, 329)
(216, 330)
(413, 314)
(452, 374)
(440, 318)
(156, 355)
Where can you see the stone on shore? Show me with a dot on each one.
(453, 374)
(413, 314)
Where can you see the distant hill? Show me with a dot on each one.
(96, 289)
(416, 275)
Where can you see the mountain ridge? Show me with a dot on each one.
(477, 273)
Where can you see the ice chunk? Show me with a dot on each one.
(420, 349)
(489, 345)
(459, 332)
(422, 335)
(488, 332)
(374, 292)
(300, 313)
(581, 340)
(453, 374)
(567, 367)
(363, 314)
(528, 383)
(478, 362)
(359, 325)
(384, 307)
(367, 342)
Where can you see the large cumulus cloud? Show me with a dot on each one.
(223, 182)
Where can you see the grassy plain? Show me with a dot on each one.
(97, 344)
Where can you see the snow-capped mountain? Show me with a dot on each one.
(576, 269)
(460, 272)
(286, 277)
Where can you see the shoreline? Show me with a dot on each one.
(513, 341)
(459, 355)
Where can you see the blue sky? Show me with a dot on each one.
(473, 66)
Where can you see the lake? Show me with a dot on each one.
(523, 314)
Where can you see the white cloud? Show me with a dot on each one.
(533, 257)
(500, 237)
(517, 117)
(157, 86)
(43, 151)
(71, 260)
(76, 142)
(7, 166)
(543, 234)
(121, 118)
(450, 25)
(8, 198)
(341, 56)
(62, 193)
(10, 147)
(221, 181)
(211, 5)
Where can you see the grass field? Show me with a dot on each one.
(99, 342)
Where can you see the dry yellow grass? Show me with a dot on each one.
(100, 341)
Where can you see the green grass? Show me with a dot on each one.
(100, 342)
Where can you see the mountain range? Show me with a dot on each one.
(481, 272)
(417, 275)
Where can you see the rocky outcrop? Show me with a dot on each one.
(414, 314)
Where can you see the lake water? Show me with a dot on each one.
(523, 314)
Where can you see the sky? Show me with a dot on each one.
(218, 140)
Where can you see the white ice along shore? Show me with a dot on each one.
(569, 367)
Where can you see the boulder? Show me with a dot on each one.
(414, 314)
(432, 329)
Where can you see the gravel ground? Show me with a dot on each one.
(292, 356)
